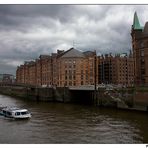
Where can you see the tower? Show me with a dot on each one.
(140, 51)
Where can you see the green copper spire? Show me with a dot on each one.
(136, 24)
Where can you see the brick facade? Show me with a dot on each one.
(70, 68)
(76, 68)
(118, 69)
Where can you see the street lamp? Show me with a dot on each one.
(95, 79)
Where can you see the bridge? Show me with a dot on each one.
(83, 87)
(84, 94)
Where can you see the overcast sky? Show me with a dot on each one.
(26, 31)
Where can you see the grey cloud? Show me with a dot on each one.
(26, 31)
(7, 68)
(36, 11)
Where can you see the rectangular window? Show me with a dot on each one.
(70, 77)
(70, 72)
(142, 71)
(74, 72)
(86, 77)
(141, 44)
(70, 83)
(142, 61)
(142, 53)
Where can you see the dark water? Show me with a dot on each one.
(68, 123)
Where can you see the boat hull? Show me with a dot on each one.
(15, 113)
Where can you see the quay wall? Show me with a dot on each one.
(123, 99)
(131, 99)
(37, 94)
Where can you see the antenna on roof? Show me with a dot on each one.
(73, 44)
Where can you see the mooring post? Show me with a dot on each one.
(64, 93)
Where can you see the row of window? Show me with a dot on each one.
(70, 61)
(70, 66)
(73, 83)
(73, 77)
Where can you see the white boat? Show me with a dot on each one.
(16, 113)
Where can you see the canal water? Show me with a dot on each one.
(70, 123)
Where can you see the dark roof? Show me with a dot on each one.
(146, 28)
(89, 53)
(72, 53)
(44, 56)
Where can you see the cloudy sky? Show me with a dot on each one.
(26, 31)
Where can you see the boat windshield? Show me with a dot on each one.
(6, 113)
(21, 113)
(17, 113)
(9, 113)
(24, 113)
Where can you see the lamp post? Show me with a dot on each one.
(95, 80)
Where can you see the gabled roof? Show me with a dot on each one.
(146, 28)
(89, 53)
(72, 53)
(136, 24)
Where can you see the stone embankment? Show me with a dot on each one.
(37, 93)
(129, 98)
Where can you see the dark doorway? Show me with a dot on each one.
(82, 96)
